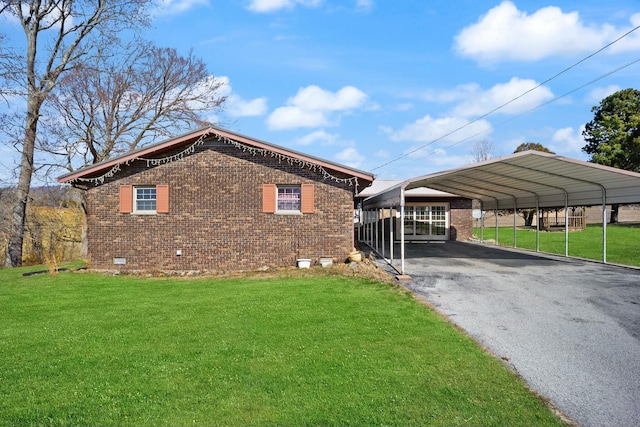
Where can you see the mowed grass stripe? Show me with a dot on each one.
(86, 349)
(623, 241)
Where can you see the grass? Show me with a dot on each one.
(623, 241)
(87, 349)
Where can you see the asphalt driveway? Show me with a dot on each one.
(570, 328)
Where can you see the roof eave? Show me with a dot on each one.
(203, 132)
(88, 170)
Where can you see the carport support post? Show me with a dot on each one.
(566, 224)
(375, 228)
(367, 230)
(515, 216)
(496, 224)
(391, 218)
(481, 222)
(537, 225)
(382, 233)
(604, 227)
(401, 230)
(378, 225)
(363, 226)
(370, 241)
(366, 227)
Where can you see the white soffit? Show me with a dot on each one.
(521, 179)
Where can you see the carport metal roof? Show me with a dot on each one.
(528, 179)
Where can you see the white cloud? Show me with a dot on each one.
(172, 7)
(319, 136)
(632, 41)
(266, 6)
(600, 93)
(364, 5)
(446, 129)
(506, 33)
(404, 106)
(313, 106)
(350, 157)
(236, 106)
(442, 160)
(477, 102)
(209, 89)
(567, 141)
(262, 6)
(294, 117)
(472, 100)
(429, 160)
(313, 98)
(382, 154)
(460, 92)
(225, 90)
(386, 130)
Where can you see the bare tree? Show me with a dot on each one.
(482, 150)
(123, 100)
(58, 35)
(8, 66)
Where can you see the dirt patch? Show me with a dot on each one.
(367, 269)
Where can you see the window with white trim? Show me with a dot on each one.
(288, 199)
(144, 199)
(426, 221)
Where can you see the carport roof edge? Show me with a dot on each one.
(524, 180)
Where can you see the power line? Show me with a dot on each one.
(590, 82)
(520, 96)
(607, 74)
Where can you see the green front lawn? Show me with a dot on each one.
(87, 349)
(623, 241)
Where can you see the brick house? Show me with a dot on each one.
(214, 200)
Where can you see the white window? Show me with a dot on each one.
(144, 200)
(288, 199)
(426, 221)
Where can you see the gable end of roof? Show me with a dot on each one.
(98, 173)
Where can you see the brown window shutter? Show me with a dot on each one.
(126, 198)
(162, 198)
(269, 192)
(307, 198)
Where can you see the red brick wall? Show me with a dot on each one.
(215, 216)
(461, 219)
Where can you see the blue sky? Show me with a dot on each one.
(368, 82)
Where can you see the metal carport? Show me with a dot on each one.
(529, 179)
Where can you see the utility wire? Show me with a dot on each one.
(541, 105)
(590, 82)
(546, 103)
(516, 98)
